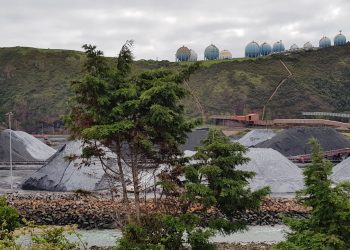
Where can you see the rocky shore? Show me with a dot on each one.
(97, 211)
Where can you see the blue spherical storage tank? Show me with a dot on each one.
(211, 52)
(278, 47)
(183, 54)
(265, 49)
(252, 49)
(325, 42)
(339, 39)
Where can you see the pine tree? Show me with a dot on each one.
(138, 115)
(213, 181)
(328, 225)
(214, 190)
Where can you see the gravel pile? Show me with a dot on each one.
(25, 147)
(274, 170)
(65, 171)
(294, 141)
(256, 136)
(194, 139)
(341, 172)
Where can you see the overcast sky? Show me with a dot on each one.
(159, 27)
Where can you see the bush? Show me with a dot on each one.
(9, 218)
(135, 238)
(50, 238)
(161, 231)
(199, 239)
(54, 238)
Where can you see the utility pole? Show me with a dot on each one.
(10, 114)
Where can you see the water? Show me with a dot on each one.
(108, 237)
(256, 234)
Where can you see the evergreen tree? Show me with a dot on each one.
(328, 225)
(213, 181)
(214, 190)
(138, 115)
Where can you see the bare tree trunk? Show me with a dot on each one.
(154, 188)
(135, 178)
(122, 179)
(121, 172)
(136, 193)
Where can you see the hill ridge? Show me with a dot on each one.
(34, 83)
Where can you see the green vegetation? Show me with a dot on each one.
(141, 112)
(213, 180)
(42, 237)
(212, 183)
(9, 218)
(35, 83)
(327, 226)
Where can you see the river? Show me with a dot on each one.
(267, 234)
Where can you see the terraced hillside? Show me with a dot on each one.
(34, 83)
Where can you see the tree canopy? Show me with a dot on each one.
(328, 225)
(139, 116)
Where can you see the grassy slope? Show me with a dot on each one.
(35, 83)
(320, 82)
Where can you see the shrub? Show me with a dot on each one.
(161, 231)
(9, 218)
(54, 238)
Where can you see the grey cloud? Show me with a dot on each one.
(159, 27)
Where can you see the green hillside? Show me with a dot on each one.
(34, 83)
(320, 82)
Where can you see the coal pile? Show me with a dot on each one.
(256, 136)
(25, 147)
(341, 172)
(194, 139)
(274, 170)
(294, 141)
(65, 171)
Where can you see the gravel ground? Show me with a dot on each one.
(20, 173)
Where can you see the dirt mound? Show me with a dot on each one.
(294, 141)
(256, 136)
(341, 172)
(25, 147)
(274, 170)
